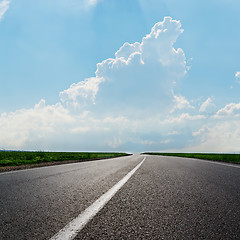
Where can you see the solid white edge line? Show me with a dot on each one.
(44, 167)
(204, 160)
(215, 162)
(70, 231)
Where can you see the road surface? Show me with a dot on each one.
(165, 198)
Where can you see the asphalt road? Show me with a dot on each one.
(166, 198)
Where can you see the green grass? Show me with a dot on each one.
(17, 158)
(222, 157)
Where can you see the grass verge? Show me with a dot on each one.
(18, 158)
(221, 157)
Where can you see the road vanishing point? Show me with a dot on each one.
(134, 197)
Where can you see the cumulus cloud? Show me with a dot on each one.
(219, 132)
(216, 136)
(82, 93)
(181, 102)
(4, 5)
(129, 105)
(231, 109)
(20, 128)
(140, 77)
(208, 106)
(126, 105)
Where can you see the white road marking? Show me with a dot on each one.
(204, 160)
(56, 165)
(215, 162)
(45, 167)
(70, 231)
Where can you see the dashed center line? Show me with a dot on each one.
(70, 231)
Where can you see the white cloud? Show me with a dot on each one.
(4, 5)
(129, 105)
(181, 102)
(220, 136)
(183, 117)
(79, 130)
(81, 93)
(229, 109)
(237, 76)
(19, 128)
(218, 133)
(173, 133)
(140, 78)
(198, 132)
(125, 106)
(208, 106)
(127, 49)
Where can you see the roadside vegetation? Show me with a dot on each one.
(17, 158)
(222, 157)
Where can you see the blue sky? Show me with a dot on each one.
(71, 82)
